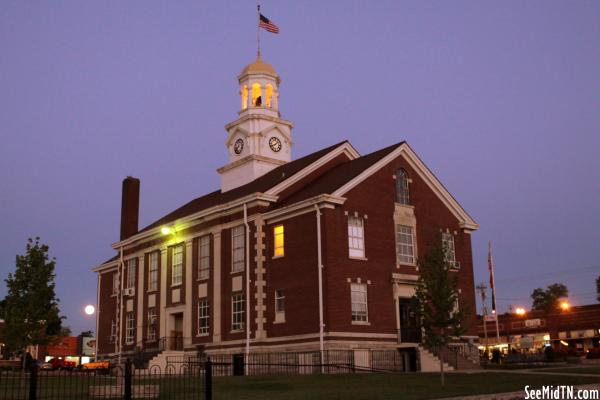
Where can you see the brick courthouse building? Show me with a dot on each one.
(289, 255)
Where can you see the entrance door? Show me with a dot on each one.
(176, 335)
(410, 330)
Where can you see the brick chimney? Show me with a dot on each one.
(130, 207)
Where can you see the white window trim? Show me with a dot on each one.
(206, 317)
(132, 264)
(180, 274)
(202, 257)
(449, 248)
(151, 319)
(130, 328)
(238, 327)
(413, 246)
(366, 302)
(358, 224)
(242, 261)
(152, 271)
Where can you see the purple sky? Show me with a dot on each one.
(500, 99)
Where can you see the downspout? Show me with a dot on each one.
(120, 308)
(97, 318)
(247, 231)
(320, 274)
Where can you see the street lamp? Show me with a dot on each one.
(520, 311)
(564, 305)
(89, 309)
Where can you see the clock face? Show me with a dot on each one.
(275, 144)
(238, 146)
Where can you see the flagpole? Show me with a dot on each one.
(258, 31)
(494, 292)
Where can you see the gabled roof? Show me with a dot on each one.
(261, 184)
(336, 177)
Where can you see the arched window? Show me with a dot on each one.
(244, 97)
(402, 193)
(268, 95)
(256, 95)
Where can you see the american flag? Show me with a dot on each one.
(266, 24)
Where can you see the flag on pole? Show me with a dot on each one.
(491, 269)
(267, 25)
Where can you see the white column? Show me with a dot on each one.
(163, 292)
(187, 315)
(139, 331)
(216, 306)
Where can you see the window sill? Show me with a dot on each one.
(358, 258)
(276, 257)
(406, 265)
(203, 335)
(237, 272)
(202, 279)
(365, 323)
(177, 285)
(237, 331)
(404, 205)
(152, 291)
(279, 322)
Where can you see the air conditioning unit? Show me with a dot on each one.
(128, 291)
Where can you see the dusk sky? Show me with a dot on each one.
(500, 99)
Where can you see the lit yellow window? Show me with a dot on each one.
(268, 95)
(244, 97)
(278, 235)
(256, 95)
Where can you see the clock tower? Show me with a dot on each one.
(259, 140)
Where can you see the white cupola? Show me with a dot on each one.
(259, 140)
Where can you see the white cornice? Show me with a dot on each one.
(187, 221)
(322, 200)
(345, 148)
(466, 222)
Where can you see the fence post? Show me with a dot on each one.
(127, 381)
(33, 383)
(208, 380)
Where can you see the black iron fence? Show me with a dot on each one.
(189, 382)
(302, 363)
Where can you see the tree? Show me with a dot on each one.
(436, 299)
(548, 300)
(30, 308)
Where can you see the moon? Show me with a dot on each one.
(89, 309)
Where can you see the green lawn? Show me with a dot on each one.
(381, 386)
(574, 370)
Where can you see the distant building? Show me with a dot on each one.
(288, 255)
(575, 330)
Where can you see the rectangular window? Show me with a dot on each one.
(237, 248)
(237, 312)
(177, 265)
(356, 237)
(153, 271)
(203, 317)
(129, 328)
(359, 302)
(279, 305)
(405, 244)
(448, 246)
(204, 257)
(131, 271)
(113, 331)
(151, 332)
(116, 282)
(278, 241)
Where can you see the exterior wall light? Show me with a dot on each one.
(520, 311)
(165, 230)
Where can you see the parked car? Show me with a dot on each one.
(96, 365)
(58, 363)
